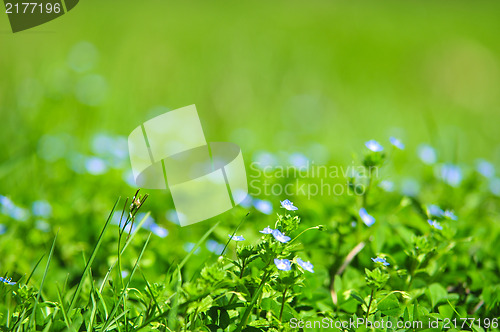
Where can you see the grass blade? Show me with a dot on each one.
(122, 295)
(92, 257)
(32, 318)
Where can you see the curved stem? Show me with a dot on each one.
(315, 227)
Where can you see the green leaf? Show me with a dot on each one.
(389, 306)
(358, 298)
(224, 319)
(436, 294)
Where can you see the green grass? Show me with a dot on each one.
(318, 78)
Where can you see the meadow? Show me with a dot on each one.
(369, 134)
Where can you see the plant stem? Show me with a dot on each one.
(369, 304)
(254, 298)
(305, 230)
(365, 195)
(283, 302)
(241, 276)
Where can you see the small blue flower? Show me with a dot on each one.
(450, 215)
(435, 211)
(18, 213)
(12, 210)
(267, 230)
(298, 160)
(451, 174)
(214, 247)
(42, 225)
(305, 265)
(188, 246)
(6, 202)
(96, 166)
(397, 143)
(237, 237)
(485, 168)
(387, 185)
(380, 260)
(158, 230)
(150, 225)
(263, 206)
(283, 264)
(3, 229)
(280, 236)
(435, 224)
(7, 281)
(286, 204)
(410, 187)
(367, 219)
(374, 146)
(495, 186)
(427, 154)
(41, 209)
(263, 159)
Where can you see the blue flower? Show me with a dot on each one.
(280, 236)
(236, 237)
(12, 210)
(6, 202)
(263, 206)
(283, 264)
(3, 229)
(242, 198)
(387, 185)
(298, 160)
(450, 215)
(397, 143)
(380, 260)
(427, 154)
(267, 230)
(188, 246)
(7, 281)
(158, 230)
(451, 174)
(286, 204)
(41, 209)
(434, 211)
(410, 187)
(435, 224)
(263, 159)
(214, 247)
(96, 166)
(42, 225)
(367, 219)
(495, 186)
(485, 168)
(305, 265)
(374, 146)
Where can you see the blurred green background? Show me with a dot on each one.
(317, 78)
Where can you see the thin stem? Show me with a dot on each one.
(283, 302)
(365, 195)
(315, 227)
(369, 304)
(254, 298)
(241, 276)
